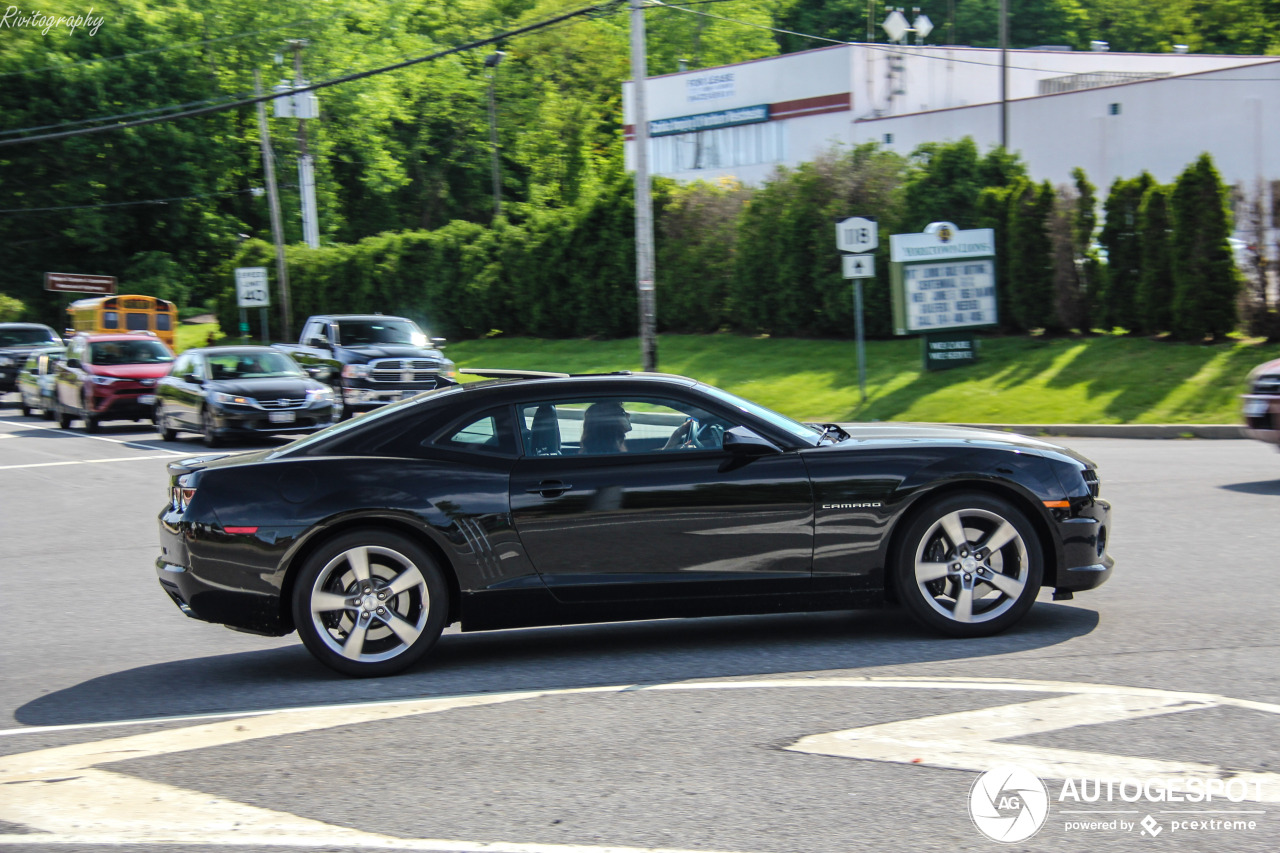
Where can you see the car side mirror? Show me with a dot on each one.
(439, 343)
(318, 342)
(743, 442)
(72, 362)
(319, 372)
(193, 379)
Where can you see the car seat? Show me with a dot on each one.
(544, 432)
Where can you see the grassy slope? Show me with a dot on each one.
(1016, 380)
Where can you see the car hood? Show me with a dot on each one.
(1269, 367)
(395, 351)
(266, 388)
(132, 371)
(890, 433)
(25, 349)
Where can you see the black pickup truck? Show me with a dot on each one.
(370, 359)
(17, 341)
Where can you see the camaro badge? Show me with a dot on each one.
(868, 505)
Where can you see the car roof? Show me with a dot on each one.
(608, 382)
(229, 348)
(25, 326)
(91, 337)
(358, 317)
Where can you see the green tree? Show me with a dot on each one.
(10, 309)
(1205, 280)
(1089, 265)
(1031, 256)
(994, 212)
(1155, 285)
(1124, 255)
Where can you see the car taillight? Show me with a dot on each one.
(180, 494)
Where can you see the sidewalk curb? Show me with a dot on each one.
(1147, 431)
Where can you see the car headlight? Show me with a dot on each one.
(355, 371)
(103, 380)
(5, 361)
(235, 399)
(319, 395)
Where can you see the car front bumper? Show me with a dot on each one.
(1262, 417)
(247, 421)
(1085, 535)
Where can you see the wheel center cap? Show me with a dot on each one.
(969, 564)
(369, 602)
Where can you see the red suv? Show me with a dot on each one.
(110, 376)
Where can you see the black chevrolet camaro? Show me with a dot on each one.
(566, 500)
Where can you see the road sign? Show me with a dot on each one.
(251, 287)
(858, 266)
(75, 283)
(857, 234)
(896, 26)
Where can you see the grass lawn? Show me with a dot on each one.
(189, 335)
(1107, 379)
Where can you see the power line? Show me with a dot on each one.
(125, 203)
(244, 102)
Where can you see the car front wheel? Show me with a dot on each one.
(208, 431)
(167, 432)
(370, 603)
(969, 565)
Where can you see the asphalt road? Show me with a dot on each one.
(712, 735)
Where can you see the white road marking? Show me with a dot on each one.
(62, 794)
(66, 434)
(81, 462)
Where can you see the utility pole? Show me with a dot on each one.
(1004, 74)
(273, 196)
(644, 201)
(306, 167)
(491, 65)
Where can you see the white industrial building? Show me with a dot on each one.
(1114, 114)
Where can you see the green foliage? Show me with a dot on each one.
(1205, 280)
(696, 251)
(1124, 253)
(10, 309)
(787, 275)
(1031, 255)
(1155, 284)
(1088, 263)
(993, 207)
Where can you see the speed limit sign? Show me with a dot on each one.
(251, 287)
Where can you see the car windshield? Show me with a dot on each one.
(128, 352)
(364, 420)
(352, 333)
(252, 365)
(803, 432)
(24, 337)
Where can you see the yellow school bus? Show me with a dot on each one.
(124, 313)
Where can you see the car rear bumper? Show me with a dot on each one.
(1262, 417)
(1086, 564)
(223, 578)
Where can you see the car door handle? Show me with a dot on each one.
(550, 489)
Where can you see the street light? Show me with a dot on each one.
(491, 63)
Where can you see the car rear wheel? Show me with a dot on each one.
(26, 410)
(207, 430)
(969, 565)
(90, 422)
(370, 603)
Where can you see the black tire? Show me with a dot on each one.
(935, 577)
(167, 432)
(64, 417)
(47, 413)
(331, 602)
(90, 422)
(340, 410)
(26, 410)
(207, 431)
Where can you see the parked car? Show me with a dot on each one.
(1262, 403)
(17, 341)
(35, 381)
(370, 359)
(582, 499)
(238, 391)
(110, 376)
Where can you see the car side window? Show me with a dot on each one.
(589, 427)
(490, 432)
